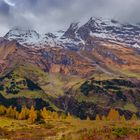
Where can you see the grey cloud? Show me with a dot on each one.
(50, 15)
(4, 8)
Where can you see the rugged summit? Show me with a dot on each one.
(111, 30)
(76, 34)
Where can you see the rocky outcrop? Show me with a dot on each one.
(55, 68)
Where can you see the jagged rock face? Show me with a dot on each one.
(71, 32)
(111, 30)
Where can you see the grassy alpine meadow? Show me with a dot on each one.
(30, 124)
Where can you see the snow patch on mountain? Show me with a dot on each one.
(136, 46)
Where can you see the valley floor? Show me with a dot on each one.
(74, 129)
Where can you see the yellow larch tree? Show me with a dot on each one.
(104, 118)
(2, 110)
(97, 118)
(88, 119)
(24, 114)
(62, 116)
(134, 117)
(46, 114)
(122, 118)
(113, 115)
(32, 115)
(69, 117)
(11, 112)
(55, 116)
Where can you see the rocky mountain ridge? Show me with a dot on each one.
(77, 35)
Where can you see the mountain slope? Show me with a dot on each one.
(85, 70)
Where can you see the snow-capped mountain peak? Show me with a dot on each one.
(23, 36)
(32, 38)
(111, 30)
(17, 32)
(108, 29)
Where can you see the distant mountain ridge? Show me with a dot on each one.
(110, 30)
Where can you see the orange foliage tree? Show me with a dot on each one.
(11, 112)
(2, 110)
(134, 117)
(32, 115)
(113, 115)
(97, 118)
(24, 114)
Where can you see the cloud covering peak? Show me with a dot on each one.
(52, 15)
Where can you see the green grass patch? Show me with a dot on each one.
(130, 107)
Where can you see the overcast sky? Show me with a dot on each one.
(52, 15)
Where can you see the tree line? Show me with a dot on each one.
(31, 114)
(114, 115)
(43, 115)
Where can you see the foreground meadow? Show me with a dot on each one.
(74, 129)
